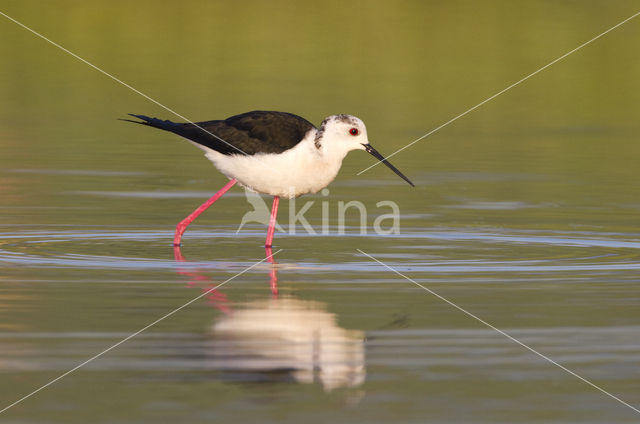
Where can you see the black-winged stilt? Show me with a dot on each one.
(275, 153)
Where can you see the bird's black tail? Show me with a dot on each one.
(153, 122)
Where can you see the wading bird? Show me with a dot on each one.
(275, 153)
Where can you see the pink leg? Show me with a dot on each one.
(272, 221)
(182, 225)
(273, 273)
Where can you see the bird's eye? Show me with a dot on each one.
(353, 131)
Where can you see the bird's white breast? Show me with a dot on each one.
(297, 171)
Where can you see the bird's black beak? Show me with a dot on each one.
(369, 148)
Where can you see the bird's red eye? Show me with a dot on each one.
(353, 131)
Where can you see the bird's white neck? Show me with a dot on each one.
(321, 162)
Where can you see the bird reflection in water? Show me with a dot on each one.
(280, 339)
(214, 297)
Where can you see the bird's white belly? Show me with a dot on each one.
(289, 174)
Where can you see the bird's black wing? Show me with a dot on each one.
(249, 133)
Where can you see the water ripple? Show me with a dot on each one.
(485, 251)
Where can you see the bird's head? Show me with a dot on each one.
(339, 134)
